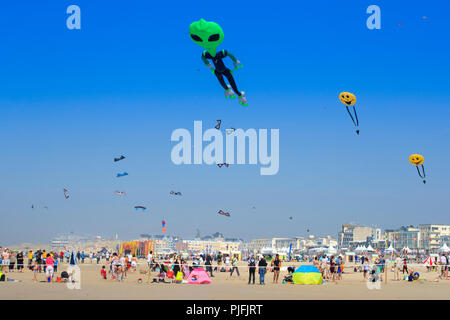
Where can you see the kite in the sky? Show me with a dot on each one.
(230, 131)
(227, 214)
(209, 35)
(307, 230)
(120, 158)
(140, 208)
(120, 193)
(66, 194)
(220, 165)
(163, 226)
(122, 174)
(175, 193)
(290, 218)
(349, 99)
(417, 160)
(219, 122)
(32, 206)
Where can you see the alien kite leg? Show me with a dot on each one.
(349, 99)
(209, 35)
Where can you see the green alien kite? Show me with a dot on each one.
(209, 35)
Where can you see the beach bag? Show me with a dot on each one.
(179, 276)
(170, 274)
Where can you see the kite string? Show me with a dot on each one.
(350, 114)
(420, 174)
(356, 116)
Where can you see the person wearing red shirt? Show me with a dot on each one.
(103, 272)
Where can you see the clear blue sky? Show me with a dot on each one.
(72, 100)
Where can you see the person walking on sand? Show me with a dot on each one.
(235, 267)
(251, 269)
(365, 269)
(262, 268)
(276, 263)
(208, 264)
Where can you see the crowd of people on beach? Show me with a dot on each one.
(176, 267)
(41, 261)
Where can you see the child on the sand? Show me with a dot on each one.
(34, 267)
(103, 272)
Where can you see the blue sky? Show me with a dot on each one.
(72, 100)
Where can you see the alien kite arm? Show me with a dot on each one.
(207, 63)
(236, 62)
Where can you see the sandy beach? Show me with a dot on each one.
(222, 287)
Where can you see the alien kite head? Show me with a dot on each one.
(206, 34)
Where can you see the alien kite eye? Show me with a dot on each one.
(214, 37)
(348, 96)
(196, 38)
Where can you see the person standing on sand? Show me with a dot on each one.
(366, 268)
(73, 258)
(150, 261)
(12, 262)
(49, 262)
(405, 266)
(323, 267)
(219, 261)
(235, 267)
(208, 264)
(333, 268)
(251, 269)
(19, 261)
(30, 259)
(276, 268)
(316, 262)
(262, 268)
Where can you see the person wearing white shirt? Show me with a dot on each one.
(150, 260)
(443, 262)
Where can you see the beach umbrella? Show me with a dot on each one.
(444, 248)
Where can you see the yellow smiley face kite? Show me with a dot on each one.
(347, 98)
(416, 159)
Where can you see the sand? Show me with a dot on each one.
(222, 287)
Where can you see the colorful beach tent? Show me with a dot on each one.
(198, 276)
(428, 262)
(307, 274)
